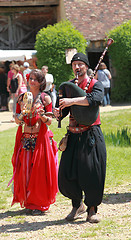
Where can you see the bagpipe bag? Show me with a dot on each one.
(84, 115)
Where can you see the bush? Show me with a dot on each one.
(120, 52)
(51, 43)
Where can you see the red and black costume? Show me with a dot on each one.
(83, 163)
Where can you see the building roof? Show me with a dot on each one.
(95, 18)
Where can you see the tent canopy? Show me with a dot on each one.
(16, 55)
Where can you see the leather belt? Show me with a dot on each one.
(78, 129)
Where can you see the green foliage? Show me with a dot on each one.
(51, 43)
(121, 138)
(120, 52)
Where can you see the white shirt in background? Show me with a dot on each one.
(26, 71)
(49, 81)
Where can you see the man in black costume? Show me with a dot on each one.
(83, 164)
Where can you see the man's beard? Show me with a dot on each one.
(80, 73)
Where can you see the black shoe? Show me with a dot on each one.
(36, 212)
(28, 211)
(75, 212)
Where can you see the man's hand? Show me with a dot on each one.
(56, 113)
(65, 102)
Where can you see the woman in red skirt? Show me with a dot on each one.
(34, 158)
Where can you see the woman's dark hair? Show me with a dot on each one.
(40, 78)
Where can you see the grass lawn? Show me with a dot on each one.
(118, 157)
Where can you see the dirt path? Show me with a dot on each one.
(5, 121)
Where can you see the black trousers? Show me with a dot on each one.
(82, 168)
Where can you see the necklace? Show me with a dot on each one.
(87, 85)
(37, 96)
(37, 101)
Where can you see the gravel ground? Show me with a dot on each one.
(114, 213)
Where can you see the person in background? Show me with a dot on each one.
(26, 71)
(104, 76)
(21, 87)
(3, 88)
(53, 95)
(34, 163)
(50, 87)
(83, 163)
(89, 72)
(9, 76)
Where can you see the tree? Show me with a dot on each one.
(51, 43)
(120, 52)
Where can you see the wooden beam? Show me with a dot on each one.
(5, 10)
(21, 3)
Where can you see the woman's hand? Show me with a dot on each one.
(8, 89)
(23, 108)
(44, 118)
(41, 112)
(16, 94)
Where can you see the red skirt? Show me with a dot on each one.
(35, 172)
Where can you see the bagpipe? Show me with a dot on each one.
(84, 115)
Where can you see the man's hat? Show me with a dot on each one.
(80, 57)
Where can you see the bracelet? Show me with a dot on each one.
(46, 120)
(20, 116)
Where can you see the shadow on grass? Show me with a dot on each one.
(31, 226)
(116, 198)
(6, 122)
